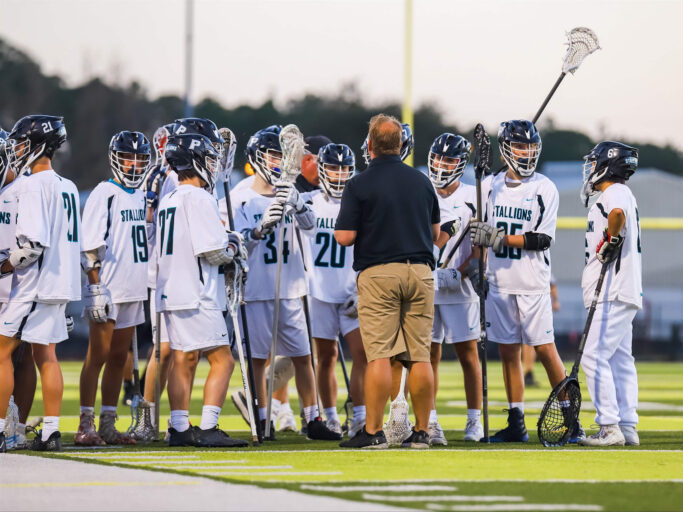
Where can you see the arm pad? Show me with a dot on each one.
(27, 254)
(218, 256)
(536, 241)
(91, 259)
(305, 218)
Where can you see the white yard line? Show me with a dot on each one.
(272, 473)
(165, 462)
(393, 488)
(216, 466)
(513, 507)
(450, 497)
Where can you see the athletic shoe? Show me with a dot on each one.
(216, 438)
(11, 425)
(473, 430)
(630, 435)
(418, 439)
(128, 392)
(362, 439)
(53, 443)
(240, 401)
(318, 431)
(272, 431)
(3, 444)
(356, 426)
(577, 434)
(86, 434)
(185, 438)
(108, 432)
(529, 381)
(515, 432)
(436, 436)
(144, 431)
(286, 421)
(334, 426)
(22, 442)
(609, 435)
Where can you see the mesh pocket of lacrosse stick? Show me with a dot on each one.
(560, 413)
(582, 42)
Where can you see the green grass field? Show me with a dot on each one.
(462, 476)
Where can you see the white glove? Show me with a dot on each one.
(271, 217)
(4, 256)
(286, 193)
(25, 255)
(485, 235)
(97, 303)
(350, 306)
(448, 278)
(237, 246)
(69, 323)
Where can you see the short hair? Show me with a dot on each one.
(385, 135)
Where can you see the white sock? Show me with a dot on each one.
(473, 414)
(107, 408)
(565, 403)
(152, 413)
(285, 407)
(180, 420)
(262, 411)
(210, 414)
(50, 425)
(2, 424)
(88, 410)
(518, 405)
(433, 418)
(311, 412)
(358, 412)
(331, 414)
(21, 427)
(275, 407)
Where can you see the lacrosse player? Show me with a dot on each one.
(521, 216)
(612, 237)
(334, 298)
(456, 304)
(192, 243)
(44, 265)
(407, 144)
(114, 256)
(257, 211)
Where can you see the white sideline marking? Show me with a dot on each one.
(478, 451)
(451, 497)
(586, 406)
(515, 480)
(271, 473)
(121, 456)
(395, 488)
(183, 462)
(233, 468)
(513, 507)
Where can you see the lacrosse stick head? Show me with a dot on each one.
(397, 428)
(482, 148)
(560, 413)
(293, 148)
(581, 42)
(228, 154)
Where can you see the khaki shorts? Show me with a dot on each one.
(396, 311)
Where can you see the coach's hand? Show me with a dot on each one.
(350, 306)
(97, 303)
(485, 235)
(271, 217)
(448, 279)
(609, 247)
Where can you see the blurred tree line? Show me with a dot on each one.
(94, 111)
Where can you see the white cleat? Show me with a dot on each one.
(630, 435)
(356, 426)
(473, 430)
(436, 435)
(334, 426)
(286, 421)
(609, 435)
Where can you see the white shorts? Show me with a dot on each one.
(153, 320)
(125, 314)
(454, 323)
(196, 329)
(327, 320)
(34, 322)
(524, 319)
(292, 338)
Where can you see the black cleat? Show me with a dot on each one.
(128, 392)
(216, 438)
(185, 438)
(515, 432)
(272, 431)
(418, 439)
(53, 443)
(577, 434)
(529, 380)
(362, 439)
(3, 443)
(318, 431)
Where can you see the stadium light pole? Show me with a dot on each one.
(189, 43)
(407, 113)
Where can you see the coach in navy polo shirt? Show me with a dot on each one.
(390, 213)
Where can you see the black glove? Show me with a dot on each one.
(481, 286)
(609, 247)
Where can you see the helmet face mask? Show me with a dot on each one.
(520, 146)
(264, 153)
(129, 157)
(447, 159)
(336, 166)
(3, 157)
(160, 138)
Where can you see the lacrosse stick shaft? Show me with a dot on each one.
(548, 97)
(451, 253)
(245, 384)
(342, 359)
(136, 365)
(402, 389)
(157, 375)
(482, 323)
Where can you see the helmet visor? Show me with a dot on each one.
(334, 177)
(522, 157)
(129, 168)
(444, 170)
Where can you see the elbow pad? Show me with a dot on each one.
(26, 255)
(536, 241)
(306, 219)
(91, 260)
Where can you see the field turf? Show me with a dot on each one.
(461, 476)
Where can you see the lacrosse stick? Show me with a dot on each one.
(453, 250)
(560, 412)
(482, 164)
(397, 428)
(348, 405)
(137, 395)
(581, 42)
(292, 144)
(228, 154)
(157, 375)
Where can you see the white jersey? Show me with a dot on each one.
(188, 225)
(530, 206)
(248, 208)
(222, 203)
(48, 213)
(115, 221)
(460, 204)
(169, 184)
(332, 278)
(8, 228)
(623, 280)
